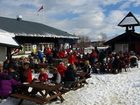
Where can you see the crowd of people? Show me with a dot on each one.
(63, 65)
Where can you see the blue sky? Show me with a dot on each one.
(92, 18)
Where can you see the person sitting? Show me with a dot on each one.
(87, 68)
(56, 76)
(61, 54)
(72, 59)
(7, 85)
(133, 61)
(69, 77)
(26, 73)
(61, 68)
(43, 76)
(116, 64)
(12, 73)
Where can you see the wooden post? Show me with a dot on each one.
(9, 53)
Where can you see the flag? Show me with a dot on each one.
(40, 8)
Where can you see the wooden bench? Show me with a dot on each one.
(74, 86)
(36, 99)
(79, 83)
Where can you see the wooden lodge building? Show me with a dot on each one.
(128, 41)
(33, 36)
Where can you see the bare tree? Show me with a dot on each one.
(84, 41)
(103, 36)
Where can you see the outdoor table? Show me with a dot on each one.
(39, 92)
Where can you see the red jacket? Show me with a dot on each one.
(94, 55)
(29, 77)
(61, 69)
(72, 59)
(43, 77)
(26, 75)
(48, 51)
(61, 54)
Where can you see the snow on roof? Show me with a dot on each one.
(7, 39)
(129, 21)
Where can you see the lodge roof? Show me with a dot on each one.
(28, 28)
(125, 37)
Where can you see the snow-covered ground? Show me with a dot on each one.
(104, 89)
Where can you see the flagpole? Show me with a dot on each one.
(43, 15)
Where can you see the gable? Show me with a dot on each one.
(129, 20)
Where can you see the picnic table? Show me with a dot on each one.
(38, 92)
(81, 80)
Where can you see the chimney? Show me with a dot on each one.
(19, 17)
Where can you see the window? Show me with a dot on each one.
(28, 47)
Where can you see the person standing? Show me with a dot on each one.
(40, 55)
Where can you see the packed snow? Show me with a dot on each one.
(102, 89)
